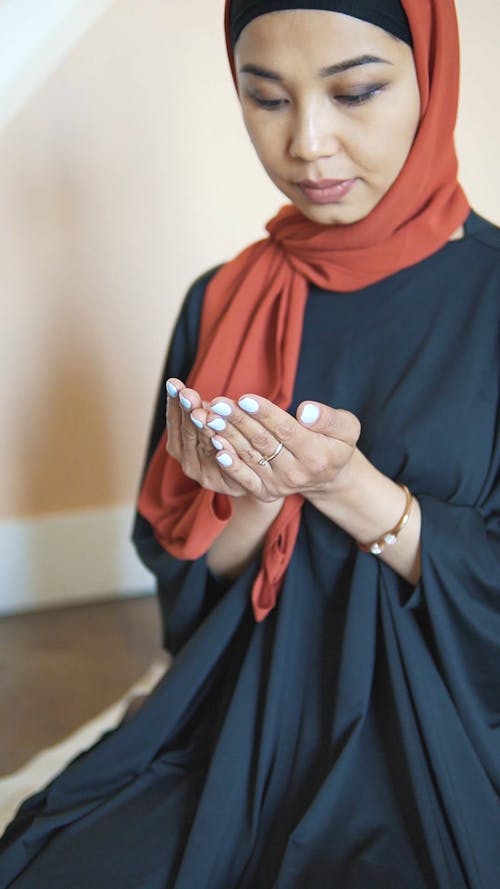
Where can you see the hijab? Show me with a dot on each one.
(252, 317)
(386, 14)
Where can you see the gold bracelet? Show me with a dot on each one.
(390, 537)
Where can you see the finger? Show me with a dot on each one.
(198, 452)
(174, 385)
(194, 449)
(332, 422)
(206, 447)
(276, 423)
(221, 444)
(237, 472)
(190, 455)
(198, 418)
(189, 400)
(246, 434)
(270, 487)
(209, 471)
(173, 416)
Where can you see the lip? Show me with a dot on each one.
(326, 191)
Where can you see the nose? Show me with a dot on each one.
(314, 133)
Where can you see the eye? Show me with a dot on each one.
(355, 99)
(267, 104)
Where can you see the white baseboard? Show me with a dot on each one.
(69, 557)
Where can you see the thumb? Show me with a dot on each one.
(332, 422)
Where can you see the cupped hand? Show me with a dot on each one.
(189, 440)
(318, 445)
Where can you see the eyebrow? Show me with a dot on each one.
(330, 71)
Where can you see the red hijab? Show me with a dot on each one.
(253, 309)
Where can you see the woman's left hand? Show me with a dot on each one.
(317, 445)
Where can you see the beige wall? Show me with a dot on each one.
(126, 175)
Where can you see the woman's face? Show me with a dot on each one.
(332, 105)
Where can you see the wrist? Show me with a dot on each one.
(366, 503)
(362, 500)
(345, 481)
(249, 503)
(390, 537)
(243, 536)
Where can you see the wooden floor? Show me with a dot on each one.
(59, 668)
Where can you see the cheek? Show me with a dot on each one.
(400, 145)
(262, 146)
(265, 135)
(387, 143)
(401, 127)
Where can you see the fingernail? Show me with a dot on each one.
(197, 423)
(185, 402)
(250, 405)
(221, 408)
(217, 444)
(217, 425)
(224, 459)
(172, 391)
(310, 413)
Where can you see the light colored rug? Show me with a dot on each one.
(44, 766)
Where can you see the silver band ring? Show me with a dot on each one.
(264, 461)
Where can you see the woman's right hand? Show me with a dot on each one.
(192, 446)
(243, 536)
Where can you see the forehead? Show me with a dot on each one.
(277, 31)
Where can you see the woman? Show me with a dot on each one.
(325, 527)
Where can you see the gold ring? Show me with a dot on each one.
(264, 461)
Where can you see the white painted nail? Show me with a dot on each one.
(172, 391)
(250, 405)
(217, 425)
(221, 408)
(217, 444)
(310, 413)
(185, 402)
(197, 423)
(224, 459)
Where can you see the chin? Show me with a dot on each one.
(332, 214)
